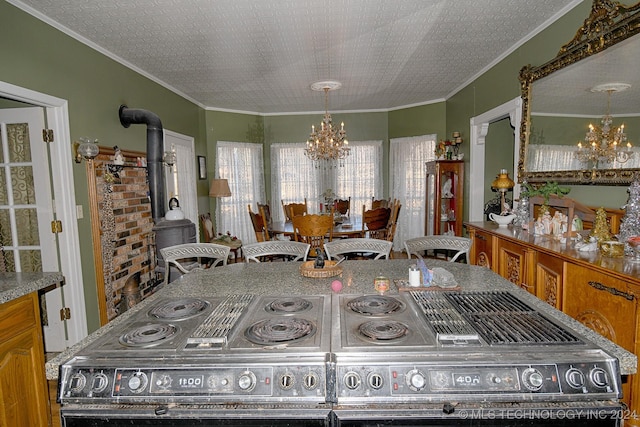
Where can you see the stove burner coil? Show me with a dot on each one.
(280, 331)
(179, 309)
(148, 335)
(383, 330)
(288, 305)
(372, 305)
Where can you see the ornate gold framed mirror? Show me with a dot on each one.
(589, 93)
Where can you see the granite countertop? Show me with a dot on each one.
(278, 278)
(15, 285)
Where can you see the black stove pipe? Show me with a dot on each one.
(155, 137)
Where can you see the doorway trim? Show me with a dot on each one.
(479, 127)
(57, 114)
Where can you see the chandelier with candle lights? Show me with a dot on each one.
(605, 144)
(327, 143)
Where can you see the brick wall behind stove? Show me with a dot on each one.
(132, 248)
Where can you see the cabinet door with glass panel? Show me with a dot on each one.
(445, 180)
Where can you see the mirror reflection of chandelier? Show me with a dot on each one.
(605, 143)
(327, 143)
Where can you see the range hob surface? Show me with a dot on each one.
(427, 346)
(257, 349)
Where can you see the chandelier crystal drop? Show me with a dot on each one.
(605, 144)
(327, 144)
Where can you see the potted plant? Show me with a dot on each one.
(545, 191)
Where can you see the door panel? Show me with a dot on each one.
(26, 209)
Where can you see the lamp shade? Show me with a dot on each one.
(503, 182)
(219, 188)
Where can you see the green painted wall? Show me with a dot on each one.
(38, 57)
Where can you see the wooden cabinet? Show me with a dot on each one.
(609, 306)
(23, 386)
(600, 292)
(445, 181)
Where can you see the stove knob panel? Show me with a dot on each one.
(532, 379)
(575, 378)
(163, 381)
(138, 382)
(352, 380)
(310, 381)
(415, 380)
(599, 377)
(247, 381)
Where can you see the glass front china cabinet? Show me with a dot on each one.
(445, 180)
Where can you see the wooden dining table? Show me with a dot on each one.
(348, 227)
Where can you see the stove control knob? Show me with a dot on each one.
(100, 382)
(286, 381)
(247, 381)
(532, 379)
(599, 377)
(575, 378)
(415, 380)
(375, 381)
(137, 382)
(310, 381)
(352, 380)
(77, 382)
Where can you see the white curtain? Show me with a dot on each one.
(548, 157)
(241, 163)
(294, 177)
(407, 181)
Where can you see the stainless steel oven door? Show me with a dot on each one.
(196, 415)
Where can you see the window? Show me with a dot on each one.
(407, 176)
(242, 165)
(294, 177)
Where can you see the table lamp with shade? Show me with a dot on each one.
(503, 184)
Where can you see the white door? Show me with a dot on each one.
(181, 177)
(26, 210)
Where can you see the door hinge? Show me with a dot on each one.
(65, 313)
(47, 135)
(56, 226)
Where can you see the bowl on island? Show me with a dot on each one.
(502, 220)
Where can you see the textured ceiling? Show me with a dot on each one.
(261, 56)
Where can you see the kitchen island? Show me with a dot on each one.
(277, 278)
(261, 345)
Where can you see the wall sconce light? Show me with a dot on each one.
(85, 149)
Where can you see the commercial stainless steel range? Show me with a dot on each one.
(419, 358)
(242, 358)
(437, 356)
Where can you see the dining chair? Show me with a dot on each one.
(374, 222)
(293, 209)
(189, 256)
(208, 232)
(286, 249)
(343, 206)
(393, 220)
(259, 225)
(314, 230)
(379, 203)
(419, 245)
(265, 211)
(368, 248)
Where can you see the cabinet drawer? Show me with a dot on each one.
(17, 316)
(603, 303)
